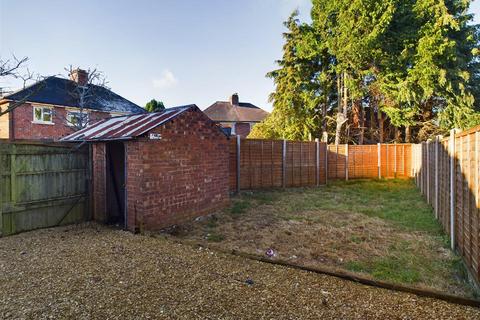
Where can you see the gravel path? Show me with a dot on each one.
(92, 272)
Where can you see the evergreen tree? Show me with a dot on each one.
(154, 106)
(369, 70)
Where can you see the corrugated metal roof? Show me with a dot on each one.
(125, 127)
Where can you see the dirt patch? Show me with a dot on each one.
(93, 272)
(299, 228)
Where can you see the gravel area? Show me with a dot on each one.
(92, 272)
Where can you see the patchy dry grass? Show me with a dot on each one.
(381, 229)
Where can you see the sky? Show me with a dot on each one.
(176, 51)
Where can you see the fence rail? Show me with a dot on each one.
(447, 173)
(42, 185)
(257, 163)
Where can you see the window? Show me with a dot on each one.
(77, 119)
(42, 115)
(233, 128)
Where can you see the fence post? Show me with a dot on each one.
(317, 159)
(284, 163)
(428, 172)
(452, 188)
(379, 161)
(346, 161)
(437, 141)
(238, 163)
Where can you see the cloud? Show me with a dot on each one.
(166, 80)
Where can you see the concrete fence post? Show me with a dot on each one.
(284, 163)
(317, 160)
(379, 160)
(452, 187)
(238, 163)
(346, 161)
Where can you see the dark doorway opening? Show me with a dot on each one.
(116, 209)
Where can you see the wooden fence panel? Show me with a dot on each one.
(434, 177)
(42, 185)
(262, 164)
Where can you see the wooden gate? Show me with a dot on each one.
(42, 185)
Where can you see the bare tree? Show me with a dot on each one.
(14, 68)
(11, 67)
(85, 87)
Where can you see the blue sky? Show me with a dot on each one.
(177, 51)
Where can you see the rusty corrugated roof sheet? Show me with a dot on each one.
(125, 127)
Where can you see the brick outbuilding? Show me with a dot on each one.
(151, 171)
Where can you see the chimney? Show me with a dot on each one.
(80, 76)
(234, 99)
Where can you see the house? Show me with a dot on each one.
(239, 116)
(154, 170)
(51, 108)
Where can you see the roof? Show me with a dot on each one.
(243, 112)
(125, 127)
(58, 91)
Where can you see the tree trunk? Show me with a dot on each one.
(397, 134)
(358, 119)
(381, 129)
(324, 120)
(407, 134)
(372, 127)
(340, 120)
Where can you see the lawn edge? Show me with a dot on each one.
(345, 275)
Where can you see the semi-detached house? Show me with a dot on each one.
(48, 109)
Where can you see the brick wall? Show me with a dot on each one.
(181, 176)
(24, 128)
(134, 183)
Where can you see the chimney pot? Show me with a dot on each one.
(234, 99)
(80, 76)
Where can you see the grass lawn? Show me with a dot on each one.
(380, 229)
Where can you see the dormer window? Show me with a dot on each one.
(42, 115)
